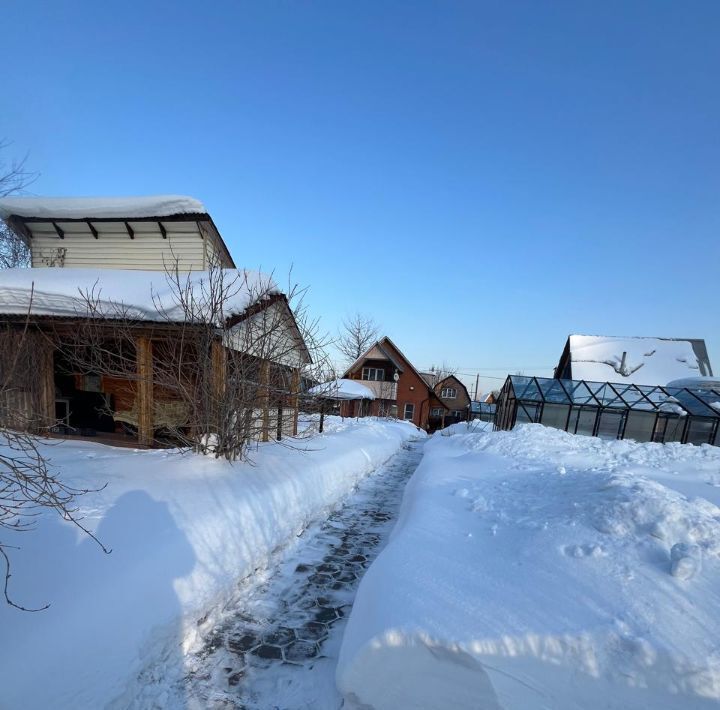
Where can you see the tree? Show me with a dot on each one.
(357, 334)
(440, 372)
(13, 179)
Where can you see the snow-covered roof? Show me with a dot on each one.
(139, 295)
(696, 383)
(59, 208)
(342, 389)
(642, 361)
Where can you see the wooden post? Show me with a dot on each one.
(47, 391)
(219, 366)
(279, 420)
(322, 416)
(295, 398)
(265, 398)
(145, 400)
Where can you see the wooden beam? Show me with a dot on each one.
(265, 398)
(145, 399)
(92, 229)
(130, 231)
(219, 366)
(59, 231)
(295, 398)
(163, 231)
(44, 415)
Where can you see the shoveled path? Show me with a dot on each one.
(277, 644)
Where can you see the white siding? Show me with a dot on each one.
(114, 249)
(268, 335)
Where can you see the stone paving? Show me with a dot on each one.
(282, 626)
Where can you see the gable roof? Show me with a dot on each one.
(639, 360)
(382, 346)
(439, 385)
(378, 345)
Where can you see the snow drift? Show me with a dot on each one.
(183, 529)
(534, 569)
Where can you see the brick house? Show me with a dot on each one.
(454, 396)
(399, 389)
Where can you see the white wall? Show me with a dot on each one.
(114, 249)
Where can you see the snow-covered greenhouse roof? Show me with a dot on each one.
(640, 360)
(681, 401)
(121, 294)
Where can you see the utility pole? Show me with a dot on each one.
(477, 378)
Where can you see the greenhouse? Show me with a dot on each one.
(613, 411)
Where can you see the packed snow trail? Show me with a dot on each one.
(276, 644)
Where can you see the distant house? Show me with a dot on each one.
(454, 395)
(636, 360)
(400, 390)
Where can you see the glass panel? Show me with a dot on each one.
(553, 391)
(527, 412)
(581, 393)
(586, 421)
(674, 429)
(532, 392)
(694, 404)
(520, 384)
(640, 425)
(609, 426)
(659, 433)
(700, 431)
(555, 415)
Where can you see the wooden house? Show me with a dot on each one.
(454, 395)
(131, 281)
(399, 389)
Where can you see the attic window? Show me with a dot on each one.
(374, 374)
(448, 393)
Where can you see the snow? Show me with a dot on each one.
(140, 295)
(59, 208)
(184, 530)
(696, 383)
(648, 361)
(533, 568)
(342, 389)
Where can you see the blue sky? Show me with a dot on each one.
(482, 178)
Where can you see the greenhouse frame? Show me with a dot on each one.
(612, 410)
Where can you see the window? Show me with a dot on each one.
(448, 393)
(376, 374)
(409, 411)
(436, 412)
(457, 412)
